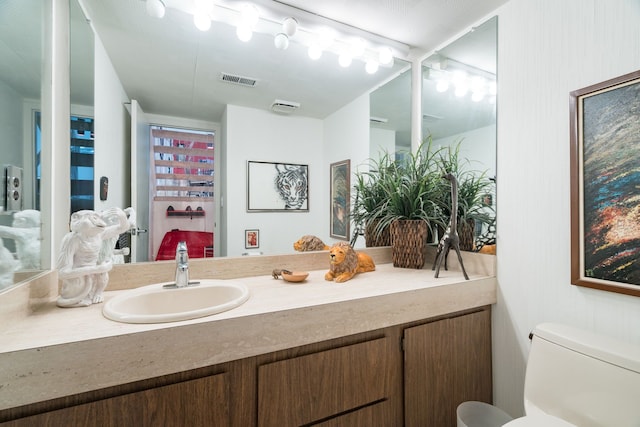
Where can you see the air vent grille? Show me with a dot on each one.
(284, 107)
(238, 80)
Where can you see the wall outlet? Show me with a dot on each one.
(12, 200)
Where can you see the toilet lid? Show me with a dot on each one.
(538, 420)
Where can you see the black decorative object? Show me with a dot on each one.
(450, 238)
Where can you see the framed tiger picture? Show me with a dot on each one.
(277, 187)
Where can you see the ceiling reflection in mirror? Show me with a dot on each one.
(21, 34)
(174, 69)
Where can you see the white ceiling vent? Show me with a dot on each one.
(374, 119)
(284, 107)
(431, 118)
(238, 80)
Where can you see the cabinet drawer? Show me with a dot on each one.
(202, 402)
(310, 388)
(376, 415)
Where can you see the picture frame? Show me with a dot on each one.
(605, 177)
(277, 187)
(251, 239)
(339, 203)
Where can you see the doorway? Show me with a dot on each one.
(182, 202)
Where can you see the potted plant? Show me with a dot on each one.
(369, 196)
(475, 197)
(405, 197)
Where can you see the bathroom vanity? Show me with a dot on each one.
(390, 347)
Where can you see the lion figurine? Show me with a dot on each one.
(345, 262)
(309, 243)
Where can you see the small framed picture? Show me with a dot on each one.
(251, 239)
(339, 187)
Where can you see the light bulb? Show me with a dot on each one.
(290, 26)
(281, 41)
(371, 66)
(442, 85)
(314, 52)
(461, 90)
(345, 59)
(477, 96)
(385, 56)
(250, 15)
(155, 8)
(202, 21)
(244, 33)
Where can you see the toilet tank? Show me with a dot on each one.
(583, 378)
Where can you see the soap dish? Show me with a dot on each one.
(295, 276)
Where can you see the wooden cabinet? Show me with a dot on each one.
(200, 402)
(349, 381)
(446, 362)
(412, 375)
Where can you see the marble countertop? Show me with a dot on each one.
(56, 352)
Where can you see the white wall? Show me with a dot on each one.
(382, 141)
(112, 141)
(264, 136)
(548, 48)
(250, 134)
(12, 141)
(473, 146)
(346, 137)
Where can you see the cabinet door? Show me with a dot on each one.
(315, 387)
(447, 362)
(201, 402)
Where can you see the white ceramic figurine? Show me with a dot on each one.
(81, 267)
(25, 230)
(7, 266)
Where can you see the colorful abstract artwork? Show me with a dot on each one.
(606, 185)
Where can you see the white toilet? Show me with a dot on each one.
(578, 378)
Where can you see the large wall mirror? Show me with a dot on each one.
(181, 78)
(459, 95)
(21, 35)
(178, 77)
(459, 91)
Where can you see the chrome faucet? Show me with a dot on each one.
(182, 265)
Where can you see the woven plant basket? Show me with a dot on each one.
(409, 243)
(466, 233)
(372, 239)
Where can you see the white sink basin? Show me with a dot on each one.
(157, 304)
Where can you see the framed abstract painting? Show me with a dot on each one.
(605, 185)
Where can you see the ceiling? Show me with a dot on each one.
(172, 68)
